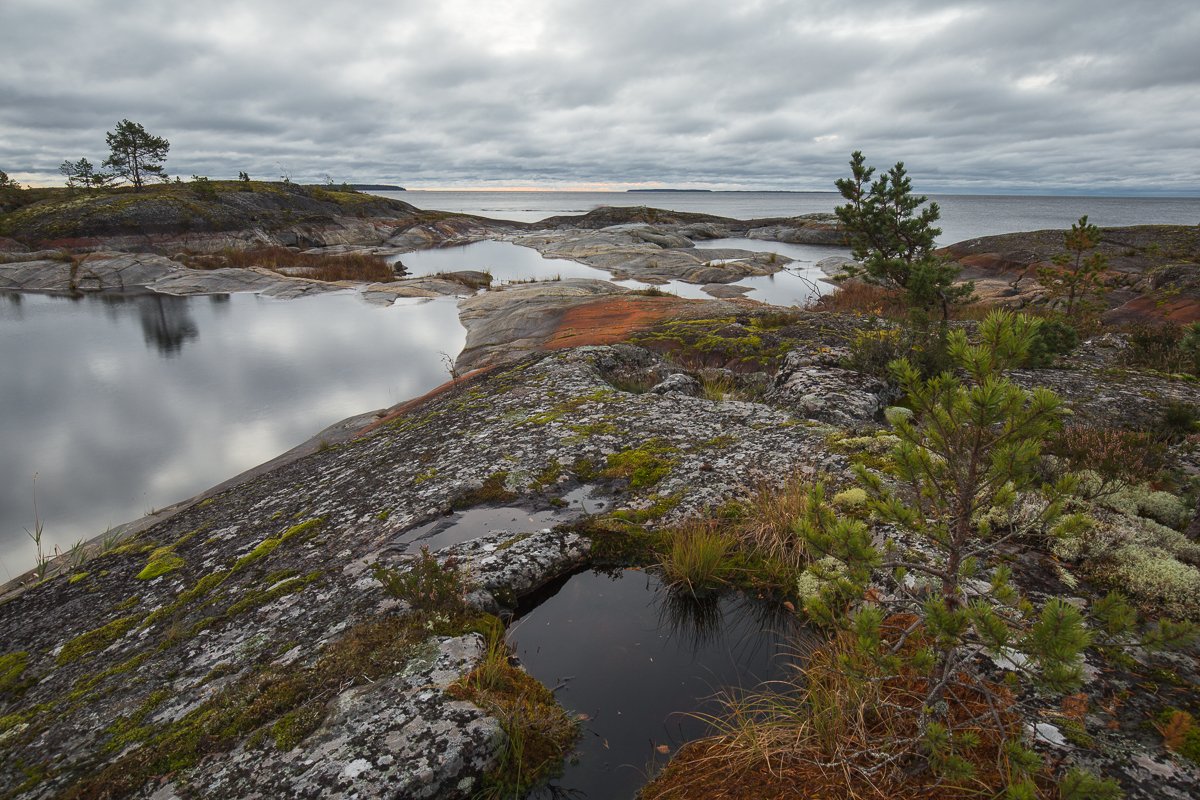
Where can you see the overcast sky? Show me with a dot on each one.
(1037, 96)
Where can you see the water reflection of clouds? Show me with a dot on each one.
(118, 408)
(798, 284)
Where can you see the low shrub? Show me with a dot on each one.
(1118, 457)
(1166, 347)
(871, 351)
(1177, 421)
(1051, 338)
(426, 584)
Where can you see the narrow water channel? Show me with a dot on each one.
(633, 659)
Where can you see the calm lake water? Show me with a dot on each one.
(120, 404)
(963, 216)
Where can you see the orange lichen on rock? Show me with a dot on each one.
(613, 320)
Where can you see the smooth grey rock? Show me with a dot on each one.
(517, 318)
(704, 230)
(724, 290)
(664, 240)
(835, 265)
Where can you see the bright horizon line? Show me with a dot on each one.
(991, 192)
(623, 188)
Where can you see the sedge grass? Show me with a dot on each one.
(698, 558)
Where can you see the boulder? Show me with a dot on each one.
(679, 382)
(666, 241)
(816, 390)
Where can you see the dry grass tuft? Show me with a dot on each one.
(698, 558)
(839, 730)
(866, 299)
(357, 267)
(765, 522)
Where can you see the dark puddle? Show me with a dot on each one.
(467, 525)
(631, 656)
(464, 526)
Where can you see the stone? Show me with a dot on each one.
(827, 393)
(663, 240)
(680, 383)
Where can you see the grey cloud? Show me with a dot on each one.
(770, 94)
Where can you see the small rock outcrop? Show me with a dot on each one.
(1153, 271)
(819, 389)
(680, 383)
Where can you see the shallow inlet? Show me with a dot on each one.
(124, 403)
(635, 658)
(797, 284)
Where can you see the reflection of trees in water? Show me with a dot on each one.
(166, 322)
(13, 308)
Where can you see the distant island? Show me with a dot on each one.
(377, 187)
(668, 190)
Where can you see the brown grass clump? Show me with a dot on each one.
(867, 299)
(857, 297)
(764, 523)
(357, 267)
(840, 729)
(697, 559)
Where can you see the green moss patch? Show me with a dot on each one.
(12, 667)
(720, 341)
(643, 466)
(493, 491)
(162, 561)
(568, 406)
(96, 639)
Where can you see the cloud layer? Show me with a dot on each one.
(756, 94)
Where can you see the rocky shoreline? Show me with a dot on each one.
(225, 646)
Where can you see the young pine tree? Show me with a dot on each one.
(964, 482)
(1074, 274)
(893, 237)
